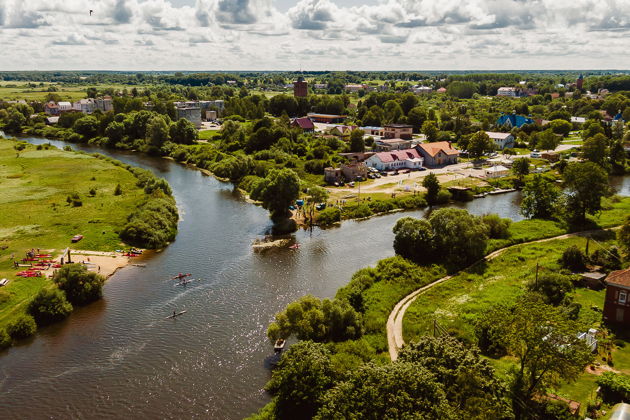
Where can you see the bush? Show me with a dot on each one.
(412, 202)
(48, 306)
(81, 286)
(118, 190)
(153, 225)
(498, 228)
(74, 200)
(553, 287)
(443, 197)
(92, 192)
(360, 211)
(5, 340)
(22, 327)
(573, 259)
(379, 206)
(615, 387)
(328, 216)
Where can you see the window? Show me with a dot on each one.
(622, 297)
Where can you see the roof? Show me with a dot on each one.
(434, 148)
(619, 278)
(514, 120)
(497, 135)
(405, 154)
(398, 126)
(315, 114)
(441, 90)
(393, 141)
(304, 123)
(621, 412)
(498, 168)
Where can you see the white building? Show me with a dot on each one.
(395, 159)
(497, 171)
(420, 90)
(64, 106)
(507, 91)
(501, 140)
(86, 106)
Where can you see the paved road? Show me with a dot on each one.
(395, 339)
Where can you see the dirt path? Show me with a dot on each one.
(395, 339)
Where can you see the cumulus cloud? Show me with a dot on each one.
(392, 33)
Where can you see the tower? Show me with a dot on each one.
(579, 82)
(300, 88)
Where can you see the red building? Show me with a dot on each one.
(304, 123)
(300, 88)
(617, 304)
(579, 82)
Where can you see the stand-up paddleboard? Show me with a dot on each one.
(175, 315)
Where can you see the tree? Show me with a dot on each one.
(544, 340)
(416, 117)
(591, 128)
(115, 131)
(397, 390)
(316, 195)
(618, 157)
(553, 287)
(356, 141)
(393, 111)
(48, 306)
(157, 131)
(431, 183)
(300, 380)
(234, 168)
(310, 318)
(467, 378)
(86, 126)
(498, 228)
(81, 286)
(15, 121)
(430, 129)
(459, 237)
(623, 236)
(22, 327)
(547, 140)
(561, 127)
(478, 144)
(586, 183)
(462, 90)
(539, 198)
(595, 149)
(520, 168)
(573, 259)
(277, 191)
(183, 132)
(413, 239)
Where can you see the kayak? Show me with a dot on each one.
(175, 315)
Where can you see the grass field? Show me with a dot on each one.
(11, 90)
(34, 212)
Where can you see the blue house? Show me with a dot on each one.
(513, 120)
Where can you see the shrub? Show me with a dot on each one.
(5, 340)
(152, 225)
(379, 206)
(74, 200)
(573, 259)
(412, 202)
(615, 387)
(81, 286)
(443, 197)
(22, 327)
(498, 228)
(118, 190)
(328, 216)
(48, 306)
(553, 286)
(360, 211)
(92, 192)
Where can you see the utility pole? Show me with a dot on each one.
(537, 274)
(588, 239)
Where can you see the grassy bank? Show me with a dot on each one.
(35, 213)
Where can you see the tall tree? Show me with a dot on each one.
(357, 144)
(430, 129)
(595, 149)
(157, 131)
(277, 191)
(431, 183)
(520, 168)
(586, 183)
(478, 144)
(539, 198)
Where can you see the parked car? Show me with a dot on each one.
(535, 154)
(383, 173)
(377, 175)
(351, 184)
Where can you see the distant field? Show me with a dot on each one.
(34, 212)
(11, 90)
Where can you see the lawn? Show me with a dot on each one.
(70, 92)
(34, 212)
(209, 134)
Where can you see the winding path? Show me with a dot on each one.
(395, 339)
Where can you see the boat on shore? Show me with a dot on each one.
(279, 345)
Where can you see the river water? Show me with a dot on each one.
(120, 358)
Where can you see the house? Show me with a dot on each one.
(578, 120)
(52, 120)
(373, 131)
(348, 172)
(51, 108)
(105, 103)
(340, 131)
(396, 159)
(86, 106)
(212, 115)
(300, 88)
(190, 113)
(64, 106)
(513, 120)
(304, 123)
(501, 140)
(355, 88)
(508, 91)
(387, 145)
(617, 303)
(422, 90)
(438, 153)
(398, 131)
(441, 90)
(320, 86)
(326, 118)
(497, 171)
(550, 156)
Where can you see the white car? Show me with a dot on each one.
(535, 154)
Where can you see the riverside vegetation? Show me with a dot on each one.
(257, 137)
(341, 366)
(49, 195)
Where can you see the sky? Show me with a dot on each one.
(291, 35)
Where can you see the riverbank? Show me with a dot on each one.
(47, 196)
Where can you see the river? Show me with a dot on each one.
(120, 358)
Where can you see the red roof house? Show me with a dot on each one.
(304, 123)
(617, 303)
(438, 153)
